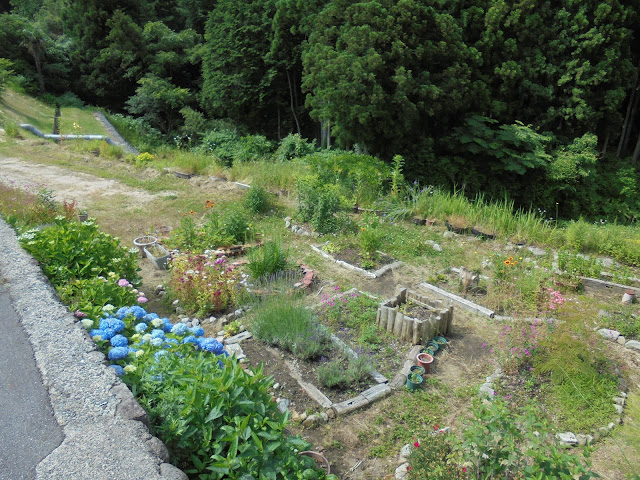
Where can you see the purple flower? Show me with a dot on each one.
(123, 283)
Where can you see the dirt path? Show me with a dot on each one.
(66, 184)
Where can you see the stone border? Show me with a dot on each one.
(377, 274)
(614, 336)
(566, 438)
(104, 428)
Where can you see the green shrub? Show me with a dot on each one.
(251, 148)
(222, 227)
(501, 443)
(370, 238)
(268, 259)
(317, 204)
(219, 422)
(137, 132)
(257, 200)
(284, 321)
(294, 146)
(90, 295)
(71, 250)
(358, 179)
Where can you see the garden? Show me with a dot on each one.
(237, 322)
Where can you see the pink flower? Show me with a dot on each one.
(79, 314)
(142, 300)
(123, 283)
(484, 344)
(416, 444)
(464, 469)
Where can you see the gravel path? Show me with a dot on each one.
(114, 135)
(104, 434)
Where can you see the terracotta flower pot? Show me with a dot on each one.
(424, 360)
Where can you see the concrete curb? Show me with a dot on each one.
(104, 429)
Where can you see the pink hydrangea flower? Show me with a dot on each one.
(123, 283)
(142, 300)
(79, 314)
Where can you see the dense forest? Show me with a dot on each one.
(533, 99)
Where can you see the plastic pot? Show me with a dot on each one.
(424, 360)
(414, 384)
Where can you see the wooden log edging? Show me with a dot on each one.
(461, 302)
(414, 330)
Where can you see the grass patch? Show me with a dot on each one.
(334, 374)
(409, 416)
(626, 438)
(625, 322)
(284, 321)
(268, 259)
(21, 108)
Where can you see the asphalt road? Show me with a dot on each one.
(28, 430)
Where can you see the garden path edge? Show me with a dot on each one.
(104, 429)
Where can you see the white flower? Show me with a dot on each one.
(131, 368)
(108, 308)
(96, 338)
(156, 322)
(139, 353)
(87, 323)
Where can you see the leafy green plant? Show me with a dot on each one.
(203, 285)
(434, 457)
(90, 295)
(575, 264)
(268, 259)
(501, 443)
(72, 250)
(317, 204)
(334, 374)
(581, 379)
(222, 227)
(219, 422)
(284, 321)
(370, 239)
(257, 200)
(625, 322)
(357, 179)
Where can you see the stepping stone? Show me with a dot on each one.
(634, 344)
(609, 334)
